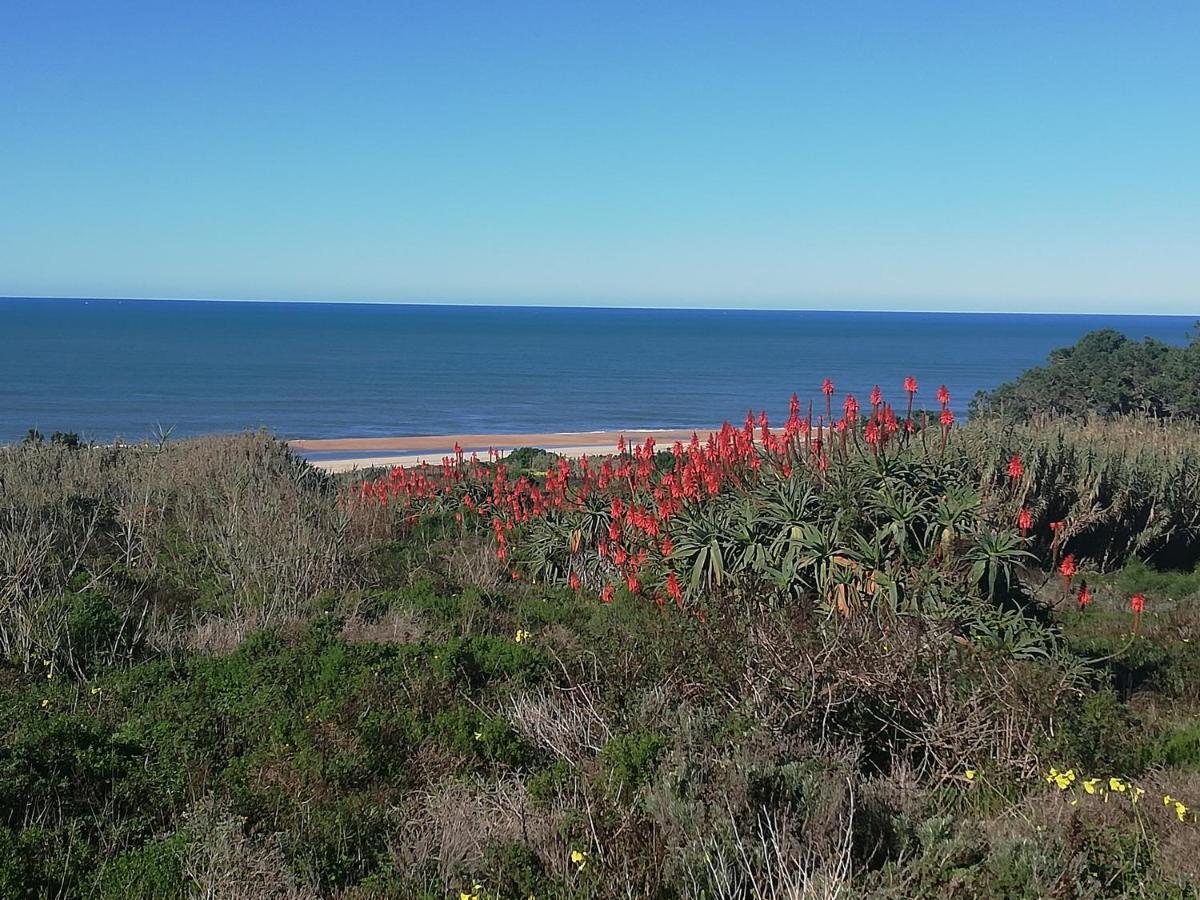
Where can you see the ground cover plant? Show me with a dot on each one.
(865, 652)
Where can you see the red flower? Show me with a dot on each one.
(943, 396)
(827, 388)
(606, 595)
(1067, 567)
(573, 581)
(876, 396)
(1016, 468)
(1085, 596)
(947, 418)
(1055, 527)
(673, 588)
(851, 407)
(1137, 603)
(1024, 520)
(667, 546)
(910, 384)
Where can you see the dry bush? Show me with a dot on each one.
(223, 863)
(448, 830)
(396, 626)
(904, 686)
(569, 723)
(233, 519)
(473, 563)
(772, 860)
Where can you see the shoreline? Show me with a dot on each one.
(415, 449)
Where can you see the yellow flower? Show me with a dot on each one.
(45, 704)
(1090, 785)
(479, 735)
(969, 774)
(1180, 810)
(1117, 784)
(1168, 799)
(95, 690)
(522, 635)
(1137, 795)
(580, 859)
(1062, 779)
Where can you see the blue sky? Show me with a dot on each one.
(1004, 156)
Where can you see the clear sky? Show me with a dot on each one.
(954, 155)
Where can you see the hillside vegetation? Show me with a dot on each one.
(1105, 374)
(895, 658)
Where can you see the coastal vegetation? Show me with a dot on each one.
(874, 653)
(1105, 373)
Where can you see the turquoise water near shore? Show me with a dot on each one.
(108, 368)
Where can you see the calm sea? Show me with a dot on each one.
(120, 368)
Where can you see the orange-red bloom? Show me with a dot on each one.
(1016, 469)
(1137, 603)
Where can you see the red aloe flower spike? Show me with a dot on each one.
(573, 581)
(673, 588)
(876, 397)
(1024, 521)
(943, 396)
(910, 388)
(1016, 469)
(1067, 569)
(606, 595)
(1085, 596)
(851, 409)
(1137, 603)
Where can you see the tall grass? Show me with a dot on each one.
(108, 539)
(1126, 487)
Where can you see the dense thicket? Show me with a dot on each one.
(225, 675)
(1105, 373)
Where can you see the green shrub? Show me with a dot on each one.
(149, 873)
(629, 760)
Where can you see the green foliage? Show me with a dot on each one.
(869, 633)
(1105, 373)
(629, 759)
(150, 872)
(533, 459)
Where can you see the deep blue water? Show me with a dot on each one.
(119, 368)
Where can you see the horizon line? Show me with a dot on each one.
(592, 306)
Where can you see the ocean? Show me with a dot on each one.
(108, 369)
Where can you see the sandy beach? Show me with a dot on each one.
(413, 450)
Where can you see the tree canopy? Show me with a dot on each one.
(1106, 374)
